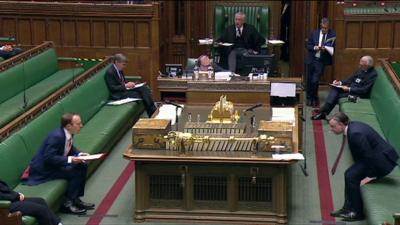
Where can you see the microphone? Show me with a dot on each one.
(253, 107)
(173, 103)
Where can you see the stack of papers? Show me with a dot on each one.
(168, 111)
(283, 114)
(225, 44)
(206, 41)
(123, 101)
(91, 157)
(276, 42)
(296, 156)
(223, 75)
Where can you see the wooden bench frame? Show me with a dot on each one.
(391, 72)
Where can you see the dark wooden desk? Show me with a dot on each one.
(239, 92)
(211, 186)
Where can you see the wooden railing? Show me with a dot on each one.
(42, 106)
(391, 72)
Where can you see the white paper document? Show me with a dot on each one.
(124, 101)
(330, 50)
(337, 86)
(286, 114)
(206, 41)
(91, 157)
(223, 75)
(168, 111)
(276, 42)
(290, 156)
(138, 85)
(283, 89)
(225, 44)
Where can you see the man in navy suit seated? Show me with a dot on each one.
(318, 45)
(373, 158)
(57, 159)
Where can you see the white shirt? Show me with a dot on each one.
(67, 137)
(345, 130)
(321, 35)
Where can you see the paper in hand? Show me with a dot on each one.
(91, 157)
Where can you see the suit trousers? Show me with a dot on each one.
(75, 174)
(333, 98)
(315, 72)
(233, 56)
(145, 94)
(36, 207)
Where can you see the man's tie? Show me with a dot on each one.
(323, 39)
(333, 170)
(69, 146)
(238, 33)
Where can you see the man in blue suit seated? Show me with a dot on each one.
(373, 158)
(7, 51)
(36, 207)
(320, 48)
(57, 158)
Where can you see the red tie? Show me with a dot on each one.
(333, 170)
(69, 146)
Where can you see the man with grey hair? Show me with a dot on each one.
(120, 88)
(358, 85)
(318, 44)
(245, 38)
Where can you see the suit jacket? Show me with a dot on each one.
(252, 38)
(313, 40)
(50, 159)
(6, 193)
(361, 82)
(368, 147)
(115, 84)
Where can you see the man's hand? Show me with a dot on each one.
(317, 48)
(21, 197)
(366, 180)
(337, 82)
(76, 160)
(346, 89)
(129, 85)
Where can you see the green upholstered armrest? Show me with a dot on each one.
(68, 59)
(5, 204)
(258, 16)
(133, 78)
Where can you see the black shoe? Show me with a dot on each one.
(84, 205)
(352, 216)
(320, 116)
(70, 208)
(339, 213)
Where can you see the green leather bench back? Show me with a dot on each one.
(396, 67)
(13, 159)
(258, 16)
(386, 104)
(13, 80)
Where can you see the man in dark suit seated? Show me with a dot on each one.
(373, 158)
(35, 207)
(120, 88)
(318, 58)
(245, 39)
(7, 51)
(203, 63)
(358, 85)
(57, 158)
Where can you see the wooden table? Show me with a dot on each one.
(239, 92)
(211, 186)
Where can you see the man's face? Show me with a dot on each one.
(336, 127)
(239, 21)
(75, 126)
(324, 28)
(364, 64)
(205, 61)
(120, 65)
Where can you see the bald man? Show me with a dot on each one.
(358, 85)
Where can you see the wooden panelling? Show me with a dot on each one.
(353, 36)
(396, 35)
(89, 30)
(369, 35)
(385, 35)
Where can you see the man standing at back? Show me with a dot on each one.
(57, 158)
(320, 48)
(245, 39)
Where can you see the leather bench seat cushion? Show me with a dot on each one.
(381, 198)
(361, 106)
(52, 191)
(104, 125)
(13, 107)
(11, 82)
(28, 220)
(14, 158)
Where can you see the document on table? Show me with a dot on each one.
(168, 111)
(283, 89)
(91, 157)
(123, 101)
(225, 44)
(223, 75)
(290, 156)
(283, 114)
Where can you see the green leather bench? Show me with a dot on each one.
(381, 112)
(103, 126)
(39, 76)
